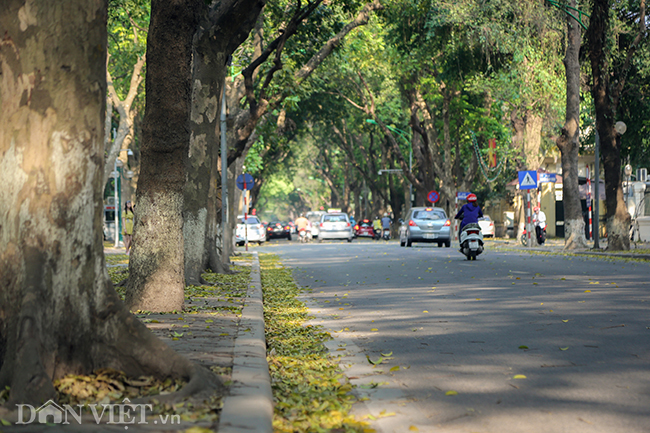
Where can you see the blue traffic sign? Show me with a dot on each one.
(462, 195)
(547, 177)
(527, 179)
(245, 182)
(433, 196)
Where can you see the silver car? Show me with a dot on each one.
(253, 228)
(335, 226)
(425, 224)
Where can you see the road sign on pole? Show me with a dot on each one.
(527, 179)
(245, 182)
(462, 195)
(433, 196)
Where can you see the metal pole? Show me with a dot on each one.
(530, 233)
(589, 203)
(597, 192)
(224, 169)
(410, 171)
(245, 210)
(117, 219)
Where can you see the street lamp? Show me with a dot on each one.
(402, 134)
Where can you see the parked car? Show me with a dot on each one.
(364, 229)
(335, 226)
(253, 228)
(278, 230)
(487, 226)
(425, 224)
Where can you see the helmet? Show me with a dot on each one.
(385, 214)
(536, 208)
(471, 197)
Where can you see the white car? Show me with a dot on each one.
(253, 228)
(487, 226)
(335, 226)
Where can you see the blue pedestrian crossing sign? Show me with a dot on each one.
(527, 179)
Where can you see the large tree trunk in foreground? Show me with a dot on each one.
(568, 142)
(58, 311)
(156, 268)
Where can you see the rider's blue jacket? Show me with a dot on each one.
(469, 213)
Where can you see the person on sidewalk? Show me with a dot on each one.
(127, 223)
(539, 220)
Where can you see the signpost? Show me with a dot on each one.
(245, 182)
(547, 177)
(528, 181)
(433, 196)
(459, 196)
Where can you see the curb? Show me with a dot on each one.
(249, 405)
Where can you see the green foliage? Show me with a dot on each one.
(127, 39)
(310, 392)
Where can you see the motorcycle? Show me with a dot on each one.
(305, 235)
(386, 234)
(471, 241)
(540, 239)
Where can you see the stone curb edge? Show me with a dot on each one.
(249, 405)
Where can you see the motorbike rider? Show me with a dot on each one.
(376, 226)
(302, 223)
(469, 213)
(539, 220)
(385, 222)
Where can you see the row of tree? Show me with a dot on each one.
(437, 81)
(58, 312)
(444, 73)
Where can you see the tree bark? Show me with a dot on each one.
(568, 141)
(606, 97)
(59, 313)
(156, 267)
(223, 28)
(125, 130)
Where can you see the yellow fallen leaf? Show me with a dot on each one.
(478, 299)
(587, 291)
(425, 311)
(565, 320)
(519, 376)
(451, 393)
(564, 348)
(594, 282)
(413, 428)
(394, 368)
(341, 308)
(374, 329)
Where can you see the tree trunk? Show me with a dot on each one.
(209, 71)
(156, 267)
(605, 103)
(568, 141)
(221, 31)
(58, 312)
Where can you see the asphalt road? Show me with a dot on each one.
(513, 342)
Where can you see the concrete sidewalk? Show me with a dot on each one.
(639, 250)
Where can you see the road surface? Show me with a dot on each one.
(513, 342)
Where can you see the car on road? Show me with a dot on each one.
(278, 230)
(253, 228)
(487, 226)
(363, 229)
(425, 224)
(335, 225)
